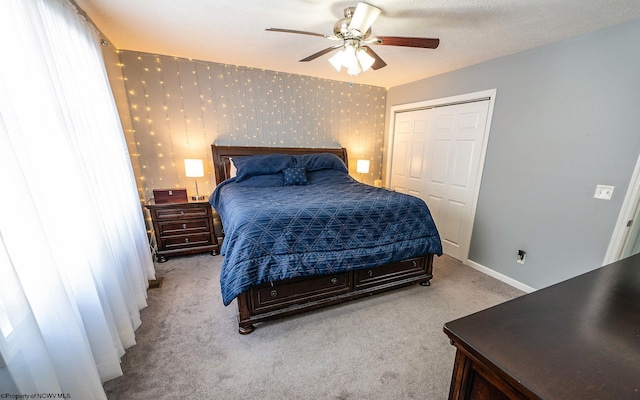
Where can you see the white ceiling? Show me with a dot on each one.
(233, 32)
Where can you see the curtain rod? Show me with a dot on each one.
(103, 38)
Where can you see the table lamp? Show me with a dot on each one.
(362, 167)
(194, 168)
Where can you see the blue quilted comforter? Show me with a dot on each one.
(332, 224)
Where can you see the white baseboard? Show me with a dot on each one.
(509, 281)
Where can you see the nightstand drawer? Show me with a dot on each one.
(186, 241)
(181, 212)
(172, 228)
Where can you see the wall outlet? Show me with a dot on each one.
(603, 192)
(520, 257)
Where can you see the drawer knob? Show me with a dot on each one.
(186, 240)
(181, 212)
(274, 293)
(184, 226)
(334, 280)
(414, 263)
(370, 273)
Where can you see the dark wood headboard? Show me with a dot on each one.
(222, 154)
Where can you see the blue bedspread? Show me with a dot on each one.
(332, 224)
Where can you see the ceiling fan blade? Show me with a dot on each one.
(363, 17)
(320, 53)
(405, 41)
(379, 63)
(294, 31)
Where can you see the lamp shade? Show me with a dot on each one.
(193, 168)
(362, 166)
(365, 60)
(337, 60)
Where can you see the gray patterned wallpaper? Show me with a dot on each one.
(179, 107)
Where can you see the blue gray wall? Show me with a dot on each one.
(566, 118)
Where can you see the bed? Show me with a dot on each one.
(300, 233)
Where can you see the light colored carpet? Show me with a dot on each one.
(389, 346)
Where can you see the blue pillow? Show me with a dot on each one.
(328, 176)
(295, 176)
(314, 162)
(272, 180)
(267, 164)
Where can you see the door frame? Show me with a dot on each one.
(627, 213)
(443, 102)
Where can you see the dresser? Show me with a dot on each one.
(183, 228)
(578, 339)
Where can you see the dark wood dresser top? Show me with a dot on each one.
(579, 339)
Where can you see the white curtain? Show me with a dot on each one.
(74, 256)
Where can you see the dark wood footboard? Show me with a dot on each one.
(293, 296)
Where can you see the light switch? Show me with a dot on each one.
(603, 192)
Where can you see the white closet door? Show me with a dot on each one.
(436, 156)
(409, 152)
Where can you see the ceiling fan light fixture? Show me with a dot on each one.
(365, 60)
(354, 30)
(350, 61)
(337, 60)
(354, 59)
(354, 69)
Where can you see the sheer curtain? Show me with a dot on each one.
(74, 256)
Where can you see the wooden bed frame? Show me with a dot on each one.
(293, 296)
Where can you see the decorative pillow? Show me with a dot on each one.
(295, 176)
(267, 164)
(314, 162)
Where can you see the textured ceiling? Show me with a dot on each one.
(233, 32)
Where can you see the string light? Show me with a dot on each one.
(183, 106)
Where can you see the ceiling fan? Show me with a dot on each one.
(354, 34)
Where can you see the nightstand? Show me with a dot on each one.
(183, 228)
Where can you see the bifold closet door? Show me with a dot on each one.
(436, 156)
